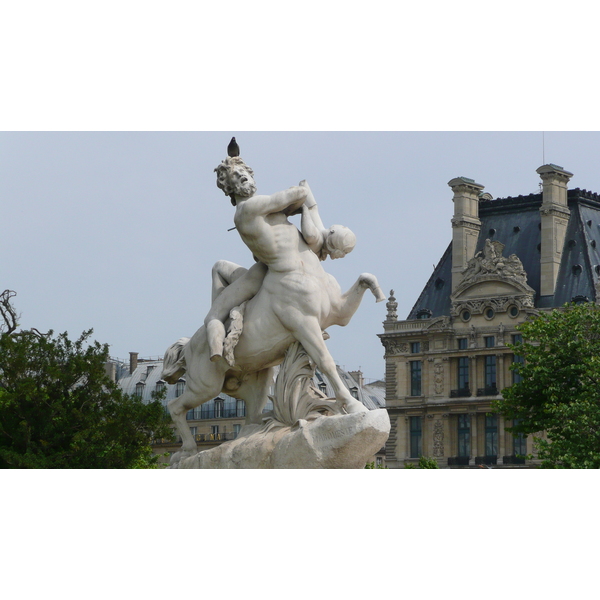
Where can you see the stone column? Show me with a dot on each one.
(500, 371)
(501, 440)
(555, 217)
(465, 224)
(474, 433)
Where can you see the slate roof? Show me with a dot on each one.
(516, 222)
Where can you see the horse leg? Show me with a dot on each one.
(204, 381)
(309, 334)
(350, 301)
(255, 391)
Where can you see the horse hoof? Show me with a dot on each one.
(379, 295)
(178, 457)
(355, 407)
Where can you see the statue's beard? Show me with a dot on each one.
(245, 190)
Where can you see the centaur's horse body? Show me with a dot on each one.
(297, 305)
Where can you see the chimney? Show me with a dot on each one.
(133, 361)
(358, 377)
(111, 370)
(465, 224)
(555, 217)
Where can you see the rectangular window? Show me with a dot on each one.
(415, 347)
(491, 435)
(416, 448)
(463, 373)
(463, 343)
(240, 408)
(519, 442)
(415, 377)
(236, 430)
(218, 409)
(490, 341)
(490, 372)
(214, 431)
(464, 435)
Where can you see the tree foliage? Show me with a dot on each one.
(559, 391)
(59, 409)
(425, 462)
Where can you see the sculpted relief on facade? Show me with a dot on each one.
(492, 281)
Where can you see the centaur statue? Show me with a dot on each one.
(258, 313)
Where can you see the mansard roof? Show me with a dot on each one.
(516, 222)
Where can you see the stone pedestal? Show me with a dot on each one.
(335, 442)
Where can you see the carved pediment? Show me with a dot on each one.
(490, 261)
(493, 278)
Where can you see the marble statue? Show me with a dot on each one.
(257, 314)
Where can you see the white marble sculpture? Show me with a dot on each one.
(256, 316)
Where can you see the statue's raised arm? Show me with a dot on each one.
(336, 242)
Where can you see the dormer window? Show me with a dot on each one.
(139, 389)
(424, 313)
(218, 408)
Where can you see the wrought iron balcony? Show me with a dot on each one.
(513, 460)
(199, 437)
(486, 460)
(215, 437)
(212, 412)
(458, 460)
(488, 390)
(461, 393)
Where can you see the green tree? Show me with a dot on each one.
(59, 409)
(424, 463)
(559, 388)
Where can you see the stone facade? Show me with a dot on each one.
(508, 260)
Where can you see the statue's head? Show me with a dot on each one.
(339, 241)
(235, 178)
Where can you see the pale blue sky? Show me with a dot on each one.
(118, 231)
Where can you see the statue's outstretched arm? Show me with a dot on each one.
(289, 201)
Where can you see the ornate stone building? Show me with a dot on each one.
(509, 258)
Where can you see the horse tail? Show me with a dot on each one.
(174, 361)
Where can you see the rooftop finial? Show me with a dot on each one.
(392, 305)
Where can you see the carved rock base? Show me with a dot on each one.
(333, 442)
